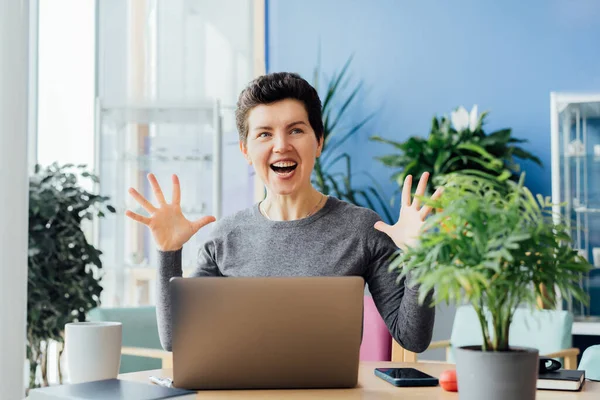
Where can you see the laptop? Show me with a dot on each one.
(266, 333)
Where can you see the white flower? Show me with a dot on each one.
(473, 119)
(460, 119)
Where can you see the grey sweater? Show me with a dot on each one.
(337, 240)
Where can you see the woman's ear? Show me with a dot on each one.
(320, 146)
(244, 151)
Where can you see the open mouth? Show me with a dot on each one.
(284, 167)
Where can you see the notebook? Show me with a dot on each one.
(563, 379)
(110, 389)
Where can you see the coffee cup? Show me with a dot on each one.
(92, 350)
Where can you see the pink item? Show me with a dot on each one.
(376, 341)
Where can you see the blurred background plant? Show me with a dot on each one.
(458, 143)
(63, 268)
(333, 173)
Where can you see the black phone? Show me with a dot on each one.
(406, 377)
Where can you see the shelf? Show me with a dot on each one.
(140, 210)
(127, 268)
(153, 113)
(575, 182)
(589, 326)
(590, 156)
(585, 210)
(131, 139)
(174, 159)
(588, 105)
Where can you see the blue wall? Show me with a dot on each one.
(420, 58)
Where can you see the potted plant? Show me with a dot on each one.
(454, 144)
(493, 244)
(333, 174)
(63, 268)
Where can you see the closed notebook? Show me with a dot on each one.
(110, 389)
(563, 379)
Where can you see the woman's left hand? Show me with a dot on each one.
(412, 216)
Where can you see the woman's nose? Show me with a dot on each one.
(282, 143)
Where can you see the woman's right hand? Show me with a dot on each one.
(170, 229)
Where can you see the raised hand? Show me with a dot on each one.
(170, 229)
(412, 216)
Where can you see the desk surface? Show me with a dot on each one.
(369, 387)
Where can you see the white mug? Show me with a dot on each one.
(93, 350)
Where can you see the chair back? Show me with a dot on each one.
(140, 329)
(590, 362)
(376, 342)
(546, 330)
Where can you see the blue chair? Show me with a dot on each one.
(141, 349)
(549, 331)
(590, 362)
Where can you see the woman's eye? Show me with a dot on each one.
(263, 134)
(297, 130)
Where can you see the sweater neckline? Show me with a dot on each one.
(327, 207)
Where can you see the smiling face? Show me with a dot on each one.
(282, 146)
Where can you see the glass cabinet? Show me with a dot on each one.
(575, 126)
(160, 68)
(132, 141)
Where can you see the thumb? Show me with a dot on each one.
(199, 223)
(382, 227)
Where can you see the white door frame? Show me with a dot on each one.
(14, 193)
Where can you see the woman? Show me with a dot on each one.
(295, 230)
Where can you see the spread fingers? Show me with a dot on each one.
(160, 197)
(138, 217)
(142, 201)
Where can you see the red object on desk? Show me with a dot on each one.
(448, 380)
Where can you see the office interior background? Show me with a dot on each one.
(138, 86)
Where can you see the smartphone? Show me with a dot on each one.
(406, 377)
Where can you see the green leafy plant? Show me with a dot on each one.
(457, 144)
(63, 275)
(494, 245)
(333, 170)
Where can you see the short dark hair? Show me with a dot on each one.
(273, 87)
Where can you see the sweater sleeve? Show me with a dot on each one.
(170, 267)
(409, 323)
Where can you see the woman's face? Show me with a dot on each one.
(282, 146)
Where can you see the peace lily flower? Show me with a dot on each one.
(462, 119)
